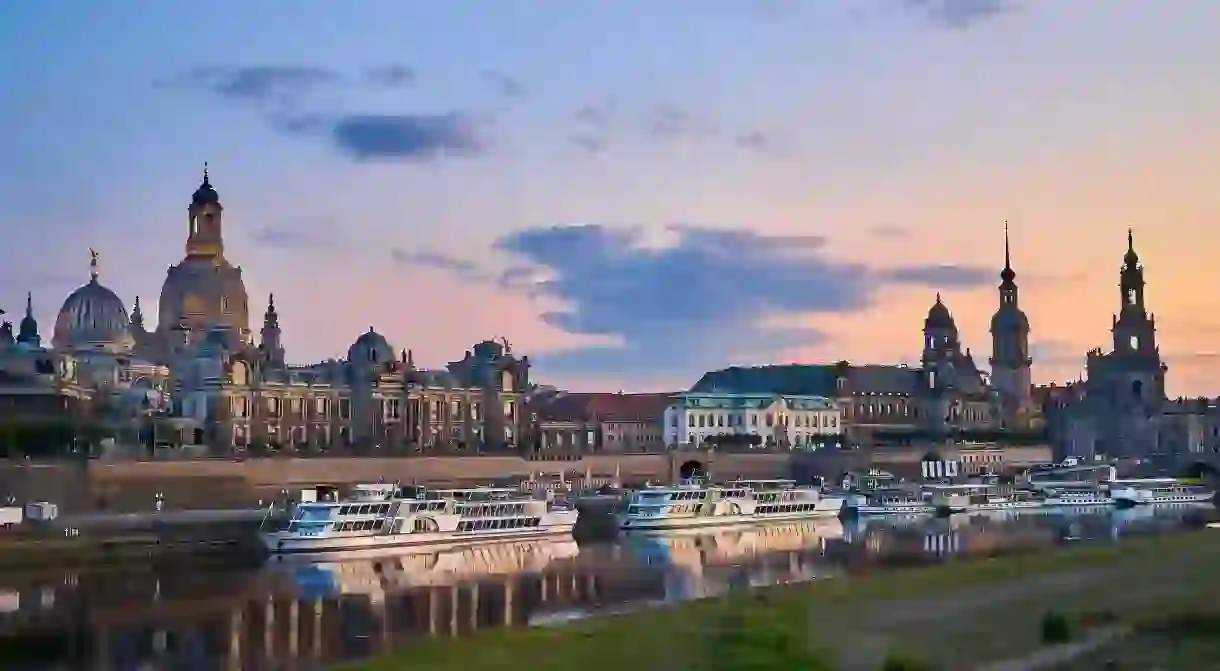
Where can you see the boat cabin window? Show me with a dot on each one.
(314, 513)
(511, 523)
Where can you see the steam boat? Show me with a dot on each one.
(383, 516)
(691, 503)
(1153, 491)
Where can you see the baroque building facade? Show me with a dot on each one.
(1119, 408)
(946, 394)
(202, 376)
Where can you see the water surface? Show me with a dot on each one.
(305, 614)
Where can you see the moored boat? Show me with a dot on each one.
(1157, 491)
(691, 503)
(382, 516)
(1078, 497)
(888, 501)
(953, 499)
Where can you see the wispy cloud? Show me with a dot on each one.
(505, 85)
(391, 75)
(960, 14)
(262, 84)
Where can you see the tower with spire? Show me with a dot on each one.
(205, 231)
(1125, 389)
(272, 347)
(28, 331)
(1010, 361)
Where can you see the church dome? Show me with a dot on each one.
(206, 193)
(939, 317)
(93, 317)
(370, 347)
(202, 293)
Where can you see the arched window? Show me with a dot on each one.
(1137, 388)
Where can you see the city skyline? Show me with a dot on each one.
(729, 183)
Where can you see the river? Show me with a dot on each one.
(189, 616)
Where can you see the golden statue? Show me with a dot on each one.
(93, 262)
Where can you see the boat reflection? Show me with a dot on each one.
(701, 564)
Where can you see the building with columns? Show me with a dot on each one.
(766, 420)
(202, 376)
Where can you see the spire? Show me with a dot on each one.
(205, 174)
(1131, 258)
(137, 315)
(271, 318)
(938, 299)
(28, 331)
(1008, 274)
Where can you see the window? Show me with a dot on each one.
(224, 304)
(345, 408)
(1134, 342)
(273, 406)
(1130, 296)
(320, 406)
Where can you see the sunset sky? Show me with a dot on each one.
(630, 192)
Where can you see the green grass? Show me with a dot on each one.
(952, 616)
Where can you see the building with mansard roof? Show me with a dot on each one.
(946, 393)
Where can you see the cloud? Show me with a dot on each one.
(960, 14)
(701, 298)
(941, 275)
(669, 121)
(438, 261)
(396, 137)
(391, 75)
(278, 92)
(301, 234)
(504, 85)
(261, 84)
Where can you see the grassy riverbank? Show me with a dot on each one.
(957, 615)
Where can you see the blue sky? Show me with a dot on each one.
(631, 192)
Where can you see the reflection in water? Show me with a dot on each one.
(302, 614)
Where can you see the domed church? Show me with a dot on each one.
(200, 378)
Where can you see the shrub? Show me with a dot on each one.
(736, 642)
(1055, 628)
(897, 662)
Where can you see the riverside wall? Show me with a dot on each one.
(212, 483)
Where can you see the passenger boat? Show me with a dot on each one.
(1155, 491)
(888, 501)
(381, 516)
(1078, 497)
(952, 499)
(691, 503)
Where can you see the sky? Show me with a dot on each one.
(630, 192)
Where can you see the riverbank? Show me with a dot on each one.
(958, 615)
(28, 550)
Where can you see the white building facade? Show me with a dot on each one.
(763, 420)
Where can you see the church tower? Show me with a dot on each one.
(272, 347)
(1010, 360)
(205, 232)
(1134, 331)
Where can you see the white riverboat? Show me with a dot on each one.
(1157, 491)
(1078, 497)
(888, 501)
(691, 503)
(953, 499)
(382, 516)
